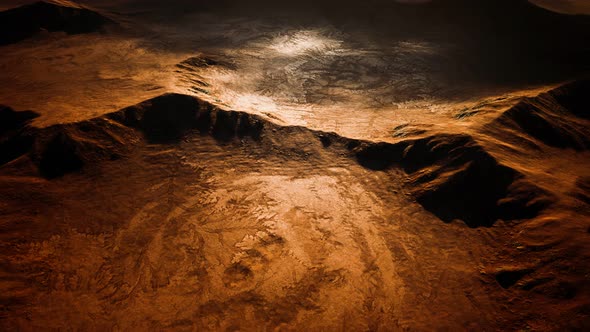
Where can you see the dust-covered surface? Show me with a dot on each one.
(295, 168)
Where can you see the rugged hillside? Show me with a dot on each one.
(558, 118)
(456, 179)
(443, 200)
(23, 22)
(450, 175)
(177, 203)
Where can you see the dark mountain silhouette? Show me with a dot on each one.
(23, 22)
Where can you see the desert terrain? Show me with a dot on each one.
(313, 166)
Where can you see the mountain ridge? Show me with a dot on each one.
(444, 171)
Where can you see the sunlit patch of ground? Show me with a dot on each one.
(314, 75)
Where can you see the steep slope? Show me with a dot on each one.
(559, 118)
(455, 178)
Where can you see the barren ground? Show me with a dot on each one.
(212, 172)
